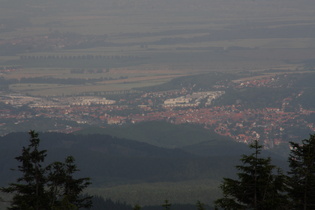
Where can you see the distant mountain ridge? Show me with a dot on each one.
(160, 133)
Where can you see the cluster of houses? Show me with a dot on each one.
(194, 99)
(270, 124)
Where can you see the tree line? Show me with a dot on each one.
(49, 187)
(261, 185)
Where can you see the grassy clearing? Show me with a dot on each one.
(155, 193)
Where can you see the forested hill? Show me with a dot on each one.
(106, 158)
(111, 160)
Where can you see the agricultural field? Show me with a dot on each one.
(122, 45)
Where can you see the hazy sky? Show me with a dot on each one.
(238, 9)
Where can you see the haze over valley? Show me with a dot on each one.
(157, 93)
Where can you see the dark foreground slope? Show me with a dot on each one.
(134, 171)
(108, 160)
